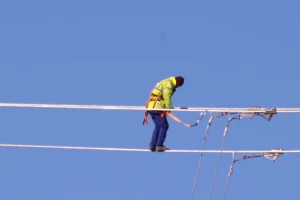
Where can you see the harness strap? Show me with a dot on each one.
(202, 114)
(153, 98)
(174, 118)
(146, 113)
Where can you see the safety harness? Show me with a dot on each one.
(155, 98)
(159, 97)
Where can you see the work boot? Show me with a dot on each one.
(161, 148)
(152, 148)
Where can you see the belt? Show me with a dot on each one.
(157, 96)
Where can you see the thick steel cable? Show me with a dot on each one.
(183, 109)
(296, 151)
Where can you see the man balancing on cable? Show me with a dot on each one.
(160, 97)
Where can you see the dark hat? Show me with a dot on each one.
(179, 81)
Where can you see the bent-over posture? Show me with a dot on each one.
(161, 97)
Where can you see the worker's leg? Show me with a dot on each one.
(164, 126)
(156, 120)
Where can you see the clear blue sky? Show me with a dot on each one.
(231, 53)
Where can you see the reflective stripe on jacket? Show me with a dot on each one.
(163, 90)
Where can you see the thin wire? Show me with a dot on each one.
(229, 175)
(183, 109)
(201, 155)
(240, 158)
(217, 167)
(219, 157)
(198, 168)
(144, 150)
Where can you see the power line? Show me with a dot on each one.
(249, 112)
(219, 157)
(201, 155)
(146, 150)
(182, 109)
(271, 157)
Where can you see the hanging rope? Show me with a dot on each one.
(202, 114)
(222, 146)
(249, 115)
(229, 174)
(201, 154)
(269, 155)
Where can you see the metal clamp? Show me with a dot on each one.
(268, 114)
(274, 154)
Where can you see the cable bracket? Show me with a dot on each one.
(274, 154)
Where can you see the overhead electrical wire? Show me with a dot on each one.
(222, 147)
(144, 150)
(132, 108)
(249, 112)
(239, 116)
(212, 117)
(270, 156)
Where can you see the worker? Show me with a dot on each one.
(160, 97)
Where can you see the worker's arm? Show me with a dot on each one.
(167, 94)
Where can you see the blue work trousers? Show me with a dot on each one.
(160, 131)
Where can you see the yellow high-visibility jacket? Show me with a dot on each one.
(162, 92)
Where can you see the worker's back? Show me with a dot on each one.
(163, 92)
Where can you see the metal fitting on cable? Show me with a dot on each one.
(274, 154)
